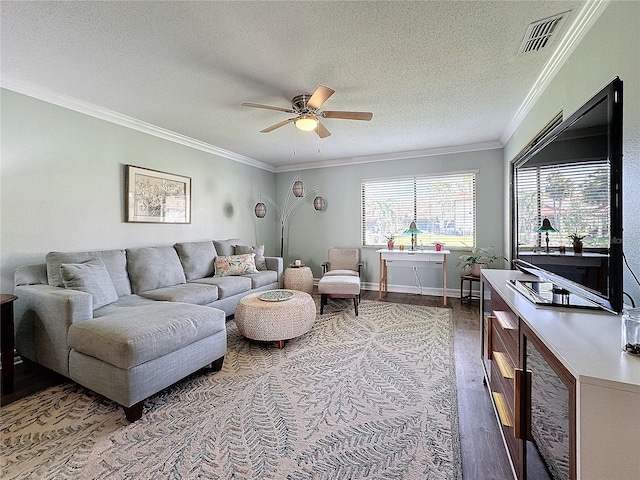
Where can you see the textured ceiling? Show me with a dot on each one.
(435, 74)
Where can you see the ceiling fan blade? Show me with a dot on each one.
(267, 107)
(347, 115)
(320, 96)
(277, 125)
(322, 131)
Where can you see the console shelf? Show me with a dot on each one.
(559, 370)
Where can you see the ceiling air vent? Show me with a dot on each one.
(539, 33)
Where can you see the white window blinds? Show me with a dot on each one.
(443, 207)
(574, 197)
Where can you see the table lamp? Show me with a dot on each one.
(546, 228)
(413, 231)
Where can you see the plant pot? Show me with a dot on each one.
(390, 245)
(577, 248)
(475, 270)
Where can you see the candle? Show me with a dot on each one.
(298, 263)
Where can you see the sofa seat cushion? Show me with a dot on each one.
(193, 293)
(228, 286)
(145, 332)
(122, 304)
(263, 278)
(154, 267)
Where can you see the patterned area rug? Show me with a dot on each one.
(371, 396)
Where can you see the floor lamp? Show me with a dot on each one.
(297, 189)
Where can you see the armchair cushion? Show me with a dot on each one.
(342, 261)
(351, 273)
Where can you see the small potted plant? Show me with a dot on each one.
(390, 238)
(480, 257)
(577, 242)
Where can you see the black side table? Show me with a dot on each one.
(6, 340)
(468, 278)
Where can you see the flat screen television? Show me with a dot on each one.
(572, 177)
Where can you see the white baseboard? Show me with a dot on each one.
(412, 289)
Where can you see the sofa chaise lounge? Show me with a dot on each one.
(128, 323)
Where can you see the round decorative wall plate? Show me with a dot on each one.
(276, 295)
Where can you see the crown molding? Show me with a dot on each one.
(95, 111)
(101, 113)
(384, 157)
(585, 19)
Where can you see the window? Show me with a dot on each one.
(574, 197)
(443, 207)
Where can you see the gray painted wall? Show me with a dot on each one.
(62, 187)
(62, 177)
(311, 233)
(611, 48)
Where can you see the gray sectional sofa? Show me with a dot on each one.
(128, 323)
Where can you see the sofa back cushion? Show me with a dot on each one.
(90, 277)
(115, 262)
(154, 267)
(225, 248)
(196, 258)
(261, 263)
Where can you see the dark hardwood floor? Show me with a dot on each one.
(29, 379)
(483, 453)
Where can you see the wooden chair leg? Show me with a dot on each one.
(134, 412)
(323, 302)
(355, 304)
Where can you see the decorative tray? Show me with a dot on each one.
(293, 265)
(276, 295)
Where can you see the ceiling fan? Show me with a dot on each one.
(308, 114)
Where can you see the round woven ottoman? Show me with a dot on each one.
(275, 321)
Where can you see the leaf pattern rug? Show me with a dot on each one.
(371, 396)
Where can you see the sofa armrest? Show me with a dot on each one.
(276, 264)
(42, 316)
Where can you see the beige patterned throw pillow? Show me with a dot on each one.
(235, 265)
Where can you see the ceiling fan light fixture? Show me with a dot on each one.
(306, 122)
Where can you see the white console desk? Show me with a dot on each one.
(411, 258)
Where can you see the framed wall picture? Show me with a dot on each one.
(157, 197)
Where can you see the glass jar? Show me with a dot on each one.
(631, 331)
